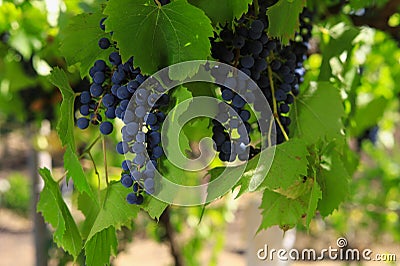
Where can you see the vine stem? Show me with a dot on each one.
(170, 233)
(105, 159)
(88, 149)
(256, 8)
(275, 107)
(158, 3)
(95, 169)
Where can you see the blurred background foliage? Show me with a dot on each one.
(350, 48)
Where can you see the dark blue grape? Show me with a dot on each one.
(84, 110)
(150, 119)
(99, 77)
(85, 97)
(126, 180)
(115, 58)
(238, 101)
(126, 165)
(131, 198)
(100, 65)
(227, 95)
(122, 147)
(157, 152)
(96, 89)
(106, 128)
(108, 100)
(104, 43)
(247, 61)
(82, 123)
(102, 26)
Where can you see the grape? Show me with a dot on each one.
(126, 165)
(115, 58)
(245, 115)
(139, 200)
(227, 95)
(247, 61)
(99, 77)
(151, 119)
(238, 101)
(149, 183)
(141, 137)
(284, 108)
(85, 97)
(108, 100)
(138, 147)
(126, 180)
(140, 111)
(106, 128)
(157, 152)
(96, 90)
(82, 123)
(131, 198)
(122, 147)
(135, 187)
(154, 138)
(257, 26)
(280, 95)
(84, 110)
(104, 43)
(123, 93)
(132, 128)
(102, 26)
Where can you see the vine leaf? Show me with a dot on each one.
(159, 36)
(114, 210)
(317, 114)
(334, 184)
(222, 11)
(56, 213)
(279, 210)
(65, 126)
(315, 196)
(75, 171)
(154, 207)
(101, 246)
(284, 19)
(79, 44)
(281, 174)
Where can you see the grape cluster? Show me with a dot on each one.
(108, 96)
(112, 87)
(278, 71)
(141, 136)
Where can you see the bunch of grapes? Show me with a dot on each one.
(277, 70)
(108, 97)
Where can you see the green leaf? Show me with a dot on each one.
(222, 11)
(318, 113)
(334, 183)
(282, 174)
(75, 171)
(154, 207)
(315, 196)
(159, 36)
(101, 246)
(65, 126)
(56, 213)
(284, 19)
(115, 211)
(80, 39)
(90, 207)
(279, 210)
(289, 165)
